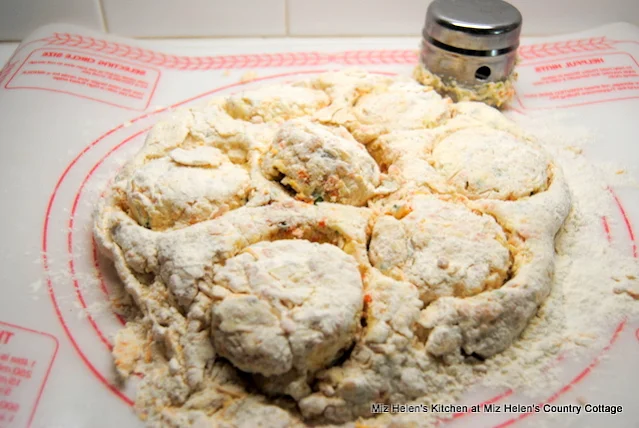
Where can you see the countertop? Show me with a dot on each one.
(6, 50)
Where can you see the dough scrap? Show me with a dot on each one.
(497, 94)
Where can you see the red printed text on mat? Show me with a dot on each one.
(579, 81)
(26, 357)
(88, 76)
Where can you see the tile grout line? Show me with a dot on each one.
(105, 27)
(287, 26)
(294, 36)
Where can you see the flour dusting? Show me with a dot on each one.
(469, 250)
(586, 302)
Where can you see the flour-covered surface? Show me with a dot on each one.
(410, 325)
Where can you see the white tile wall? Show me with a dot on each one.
(195, 18)
(212, 18)
(356, 17)
(18, 18)
(544, 17)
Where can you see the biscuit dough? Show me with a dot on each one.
(276, 310)
(398, 106)
(322, 163)
(186, 187)
(278, 280)
(442, 247)
(276, 103)
(489, 163)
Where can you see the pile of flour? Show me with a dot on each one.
(596, 281)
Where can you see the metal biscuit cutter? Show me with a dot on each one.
(471, 42)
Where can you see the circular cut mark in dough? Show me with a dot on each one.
(492, 164)
(403, 106)
(443, 248)
(187, 187)
(277, 308)
(278, 102)
(322, 164)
